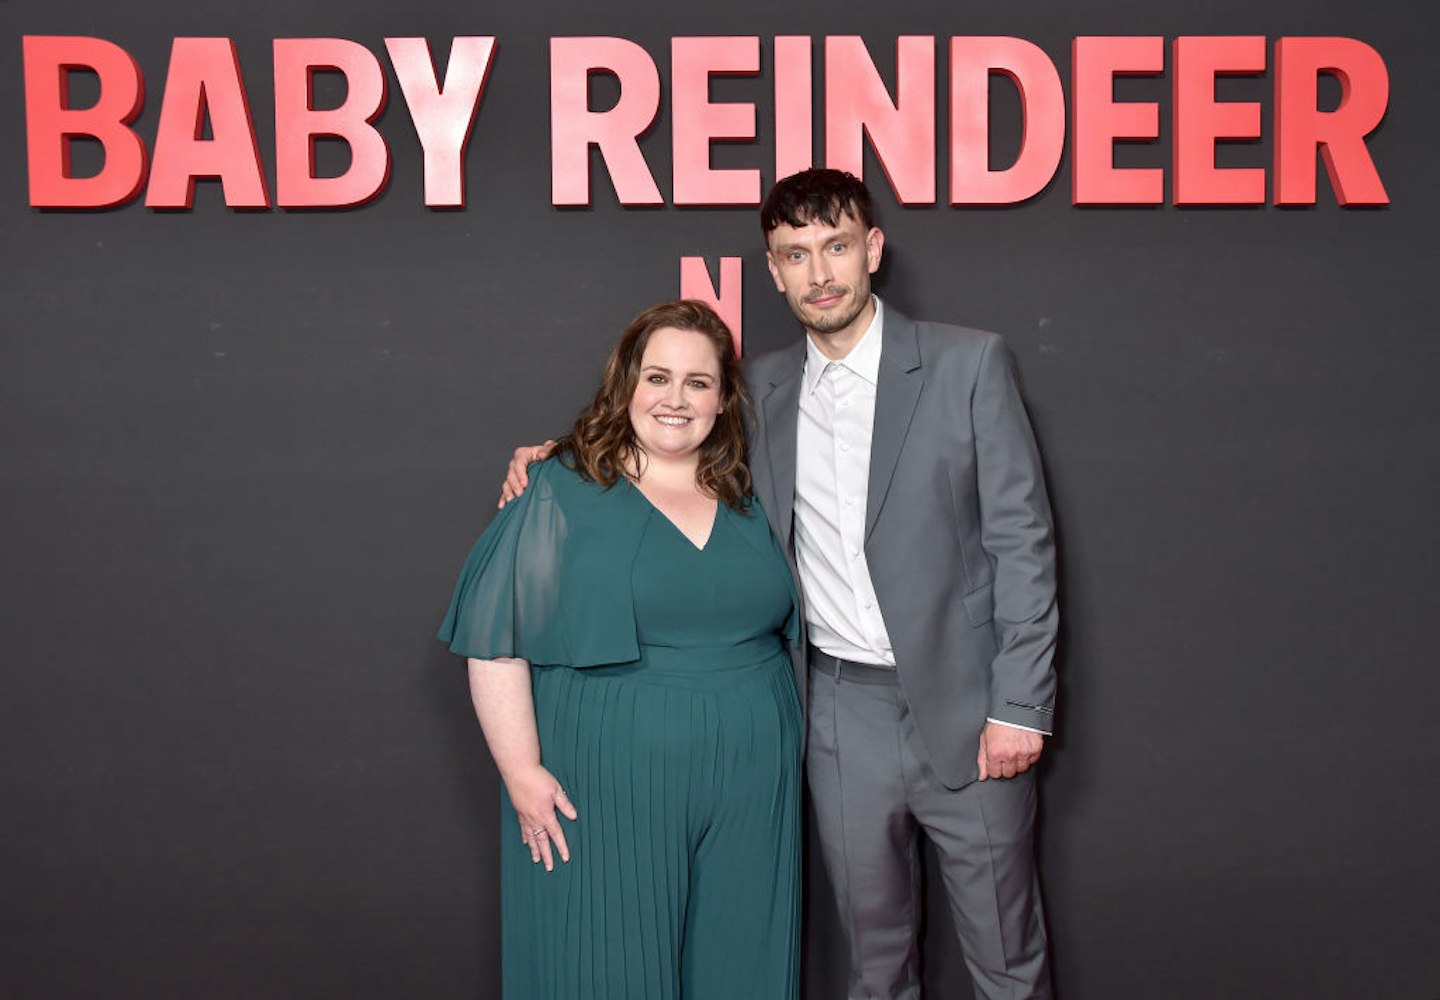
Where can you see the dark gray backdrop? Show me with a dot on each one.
(244, 454)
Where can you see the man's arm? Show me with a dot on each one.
(1017, 533)
(517, 475)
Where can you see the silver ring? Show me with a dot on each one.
(538, 832)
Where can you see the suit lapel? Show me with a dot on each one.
(780, 407)
(896, 394)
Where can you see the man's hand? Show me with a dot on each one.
(517, 476)
(1006, 751)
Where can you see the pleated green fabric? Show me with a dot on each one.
(683, 761)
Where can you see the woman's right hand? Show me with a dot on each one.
(536, 796)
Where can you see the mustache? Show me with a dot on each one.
(829, 291)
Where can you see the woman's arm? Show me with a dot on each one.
(500, 689)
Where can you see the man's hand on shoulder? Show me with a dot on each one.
(1006, 751)
(517, 475)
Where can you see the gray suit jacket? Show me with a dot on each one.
(958, 530)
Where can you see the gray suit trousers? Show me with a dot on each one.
(873, 792)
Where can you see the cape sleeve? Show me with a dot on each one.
(537, 587)
(507, 600)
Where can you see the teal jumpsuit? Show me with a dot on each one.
(666, 707)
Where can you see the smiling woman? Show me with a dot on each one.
(682, 348)
(625, 622)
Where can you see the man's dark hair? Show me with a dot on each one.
(816, 195)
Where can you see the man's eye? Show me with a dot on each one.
(795, 256)
(837, 248)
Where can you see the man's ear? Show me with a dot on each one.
(774, 272)
(874, 248)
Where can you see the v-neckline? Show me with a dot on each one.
(714, 519)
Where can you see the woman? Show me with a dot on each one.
(624, 622)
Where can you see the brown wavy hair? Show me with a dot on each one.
(602, 446)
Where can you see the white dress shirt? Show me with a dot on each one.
(832, 474)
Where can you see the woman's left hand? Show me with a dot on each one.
(537, 797)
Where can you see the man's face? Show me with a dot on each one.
(824, 271)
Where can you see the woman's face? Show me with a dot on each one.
(678, 394)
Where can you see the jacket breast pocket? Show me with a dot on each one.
(980, 605)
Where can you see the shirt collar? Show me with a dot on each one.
(863, 359)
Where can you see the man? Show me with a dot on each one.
(897, 466)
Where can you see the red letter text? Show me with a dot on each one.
(443, 115)
(1301, 127)
(574, 127)
(51, 124)
(902, 133)
(204, 79)
(794, 148)
(1200, 120)
(297, 123)
(1099, 120)
(696, 122)
(973, 62)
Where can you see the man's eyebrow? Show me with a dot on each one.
(833, 236)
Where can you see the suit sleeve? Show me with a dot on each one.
(1017, 534)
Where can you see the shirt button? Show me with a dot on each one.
(849, 501)
(844, 447)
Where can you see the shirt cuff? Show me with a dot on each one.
(1016, 725)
